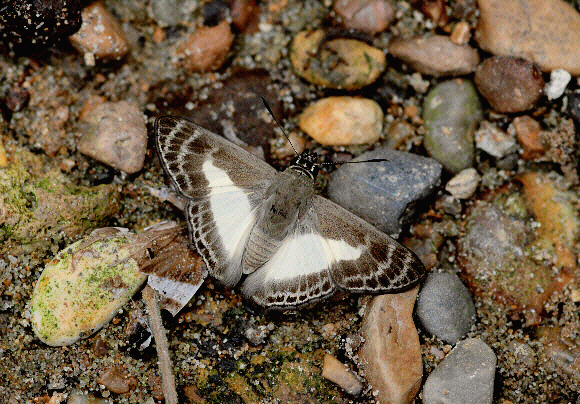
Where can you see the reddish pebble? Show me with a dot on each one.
(528, 131)
(118, 380)
(207, 48)
(509, 84)
(370, 16)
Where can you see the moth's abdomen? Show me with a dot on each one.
(259, 249)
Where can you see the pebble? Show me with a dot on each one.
(445, 307)
(544, 31)
(115, 134)
(574, 106)
(390, 355)
(466, 375)
(336, 372)
(528, 134)
(494, 141)
(77, 397)
(369, 16)
(31, 22)
(436, 55)
(509, 84)
(451, 112)
(206, 49)
(399, 134)
(100, 34)
(559, 80)
(346, 64)
(385, 194)
(83, 287)
(343, 121)
(464, 184)
(118, 380)
(461, 34)
(245, 15)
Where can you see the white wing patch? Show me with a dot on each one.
(231, 209)
(305, 254)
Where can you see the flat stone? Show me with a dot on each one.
(464, 184)
(435, 55)
(466, 375)
(544, 31)
(385, 194)
(342, 121)
(391, 354)
(445, 307)
(346, 64)
(115, 134)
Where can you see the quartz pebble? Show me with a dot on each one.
(559, 80)
(466, 375)
(464, 184)
(452, 112)
(115, 134)
(390, 355)
(509, 84)
(385, 194)
(370, 16)
(544, 31)
(100, 34)
(206, 49)
(435, 55)
(337, 63)
(340, 121)
(494, 141)
(445, 307)
(336, 372)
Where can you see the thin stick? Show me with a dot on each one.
(165, 367)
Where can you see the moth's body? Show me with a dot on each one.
(285, 202)
(294, 247)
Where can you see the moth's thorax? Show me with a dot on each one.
(306, 164)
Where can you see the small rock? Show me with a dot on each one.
(115, 134)
(435, 55)
(77, 397)
(390, 355)
(544, 31)
(385, 194)
(452, 112)
(118, 380)
(527, 131)
(433, 10)
(494, 141)
(464, 184)
(466, 375)
(31, 22)
(338, 63)
(461, 34)
(336, 372)
(342, 121)
(17, 98)
(245, 15)
(445, 307)
(370, 16)
(100, 34)
(399, 134)
(207, 48)
(509, 84)
(559, 80)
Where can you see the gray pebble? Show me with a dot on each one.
(445, 307)
(384, 193)
(466, 375)
(452, 112)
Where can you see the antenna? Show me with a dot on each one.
(325, 164)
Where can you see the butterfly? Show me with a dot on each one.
(268, 229)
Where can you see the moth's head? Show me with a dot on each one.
(306, 164)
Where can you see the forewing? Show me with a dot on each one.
(223, 184)
(383, 266)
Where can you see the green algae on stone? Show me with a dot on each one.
(83, 287)
(38, 210)
(337, 63)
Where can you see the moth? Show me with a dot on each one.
(268, 229)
